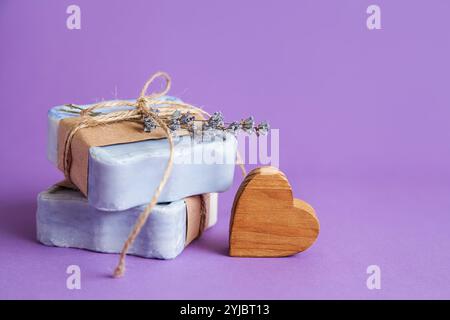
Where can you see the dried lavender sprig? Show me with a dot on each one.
(178, 120)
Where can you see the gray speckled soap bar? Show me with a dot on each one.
(65, 219)
(123, 176)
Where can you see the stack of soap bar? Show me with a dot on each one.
(126, 175)
(122, 179)
(65, 219)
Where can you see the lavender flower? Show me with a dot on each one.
(211, 128)
(174, 122)
(248, 124)
(174, 125)
(262, 128)
(149, 124)
(214, 122)
(233, 127)
(187, 118)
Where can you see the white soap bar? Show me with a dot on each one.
(65, 219)
(126, 175)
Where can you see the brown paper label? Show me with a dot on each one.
(194, 213)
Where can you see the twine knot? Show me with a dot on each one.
(141, 105)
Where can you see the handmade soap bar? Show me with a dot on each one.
(65, 219)
(123, 176)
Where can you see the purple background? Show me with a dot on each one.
(363, 118)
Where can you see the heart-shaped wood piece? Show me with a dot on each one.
(267, 221)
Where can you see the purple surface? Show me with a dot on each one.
(363, 118)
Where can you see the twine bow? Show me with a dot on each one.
(143, 107)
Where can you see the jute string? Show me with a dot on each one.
(143, 107)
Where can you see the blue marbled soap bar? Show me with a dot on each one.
(65, 219)
(123, 176)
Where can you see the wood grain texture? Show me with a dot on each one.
(266, 220)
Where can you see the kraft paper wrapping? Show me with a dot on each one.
(195, 207)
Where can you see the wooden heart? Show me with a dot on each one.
(267, 221)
